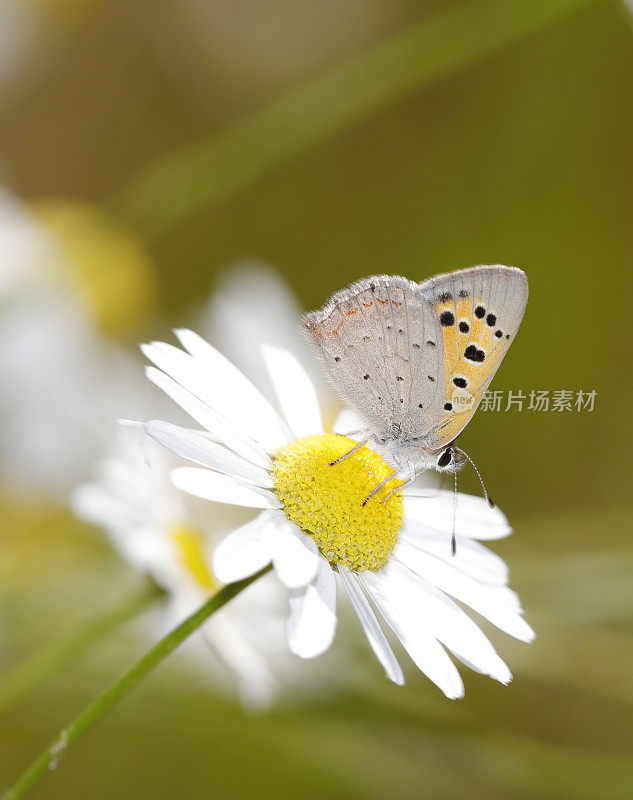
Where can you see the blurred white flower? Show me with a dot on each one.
(164, 534)
(63, 380)
(252, 305)
(314, 525)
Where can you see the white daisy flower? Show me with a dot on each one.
(393, 558)
(64, 381)
(164, 534)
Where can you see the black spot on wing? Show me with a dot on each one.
(473, 353)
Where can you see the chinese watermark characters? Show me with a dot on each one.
(555, 400)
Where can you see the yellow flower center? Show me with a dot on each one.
(189, 544)
(327, 502)
(107, 265)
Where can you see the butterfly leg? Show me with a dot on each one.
(379, 487)
(349, 453)
(408, 482)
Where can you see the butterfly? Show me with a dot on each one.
(414, 359)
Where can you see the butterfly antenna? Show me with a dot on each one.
(481, 480)
(453, 537)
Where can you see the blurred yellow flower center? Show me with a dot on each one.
(327, 502)
(107, 265)
(189, 544)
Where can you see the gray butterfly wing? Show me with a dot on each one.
(414, 360)
(475, 314)
(379, 345)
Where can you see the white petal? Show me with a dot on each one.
(296, 557)
(252, 303)
(222, 489)
(216, 382)
(312, 620)
(91, 503)
(257, 684)
(197, 447)
(294, 391)
(236, 396)
(427, 653)
(474, 519)
(471, 557)
(499, 604)
(246, 550)
(371, 626)
(348, 421)
(435, 613)
(214, 422)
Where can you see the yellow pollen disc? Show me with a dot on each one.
(327, 502)
(189, 545)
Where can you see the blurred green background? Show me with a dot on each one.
(286, 132)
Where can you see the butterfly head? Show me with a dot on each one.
(449, 459)
(408, 455)
(446, 460)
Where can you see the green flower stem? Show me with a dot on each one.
(24, 677)
(440, 44)
(50, 757)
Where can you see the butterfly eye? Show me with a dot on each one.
(445, 459)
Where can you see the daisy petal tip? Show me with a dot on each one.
(398, 680)
(529, 634)
(451, 685)
(185, 335)
(313, 649)
(222, 572)
(501, 673)
(178, 476)
(149, 348)
(302, 652)
(521, 630)
(153, 374)
(456, 693)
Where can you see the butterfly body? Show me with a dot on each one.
(414, 359)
